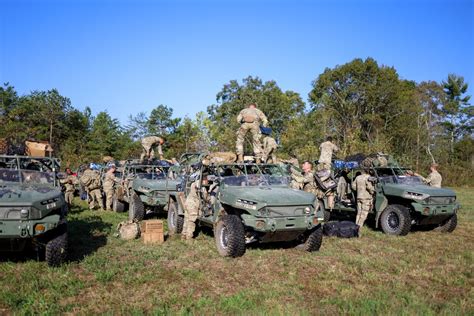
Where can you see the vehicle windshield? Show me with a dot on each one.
(149, 173)
(253, 175)
(26, 176)
(405, 179)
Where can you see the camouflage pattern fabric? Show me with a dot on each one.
(269, 149)
(327, 148)
(191, 211)
(254, 129)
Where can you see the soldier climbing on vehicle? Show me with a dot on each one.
(327, 149)
(269, 146)
(149, 145)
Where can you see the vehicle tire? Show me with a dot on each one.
(136, 210)
(449, 225)
(175, 221)
(396, 220)
(230, 236)
(314, 240)
(56, 250)
(117, 205)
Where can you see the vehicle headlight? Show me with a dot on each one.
(24, 213)
(415, 196)
(307, 210)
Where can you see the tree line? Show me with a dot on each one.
(364, 106)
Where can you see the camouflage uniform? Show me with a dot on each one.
(325, 158)
(148, 144)
(108, 188)
(69, 183)
(269, 148)
(434, 179)
(93, 189)
(191, 211)
(365, 190)
(306, 181)
(250, 119)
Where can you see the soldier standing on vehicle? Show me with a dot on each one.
(191, 208)
(365, 191)
(327, 149)
(434, 179)
(108, 186)
(69, 183)
(269, 147)
(249, 120)
(149, 144)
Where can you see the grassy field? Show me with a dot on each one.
(423, 273)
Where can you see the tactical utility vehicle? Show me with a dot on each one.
(32, 207)
(143, 189)
(401, 199)
(246, 203)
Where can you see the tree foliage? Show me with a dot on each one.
(365, 106)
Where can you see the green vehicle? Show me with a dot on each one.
(32, 208)
(249, 203)
(143, 189)
(401, 200)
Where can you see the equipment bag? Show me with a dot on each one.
(344, 229)
(128, 230)
(348, 229)
(324, 180)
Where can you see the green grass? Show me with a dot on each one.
(425, 273)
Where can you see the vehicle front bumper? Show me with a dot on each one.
(283, 223)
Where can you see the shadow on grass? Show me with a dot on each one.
(86, 236)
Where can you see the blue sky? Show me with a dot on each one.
(130, 56)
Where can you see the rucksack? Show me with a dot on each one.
(344, 229)
(128, 230)
(328, 184)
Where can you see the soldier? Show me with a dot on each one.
(148, 144)
(69, 183)
(91, 181)
(434, 179)
(191, 208)
(269, 147)
(108, 186)
(249, 120)
(306, 179)
(327, 149)
(365, 190)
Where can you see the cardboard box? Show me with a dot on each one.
(152, 225)
(153, 238)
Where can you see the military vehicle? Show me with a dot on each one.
(401, 199)
(247, 203)
(32, 207)
(143, 189)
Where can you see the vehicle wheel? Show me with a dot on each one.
(449, 225)
(136, 210)
(175, 221)
(396, 220)
(230, 236)
(117, 205)
(315, 239)
(56, 250)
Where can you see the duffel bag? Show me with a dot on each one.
(348, 229)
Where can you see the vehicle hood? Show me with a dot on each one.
(27, 195)
(268, 195)
(398, 189)
(149, 185)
